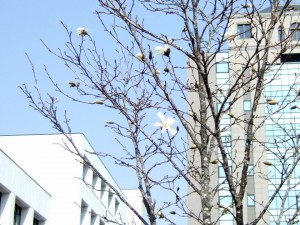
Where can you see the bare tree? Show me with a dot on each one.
(224, 140)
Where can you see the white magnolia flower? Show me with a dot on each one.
(82, 31)
(140, 56)
(165, 123)
(159, 50)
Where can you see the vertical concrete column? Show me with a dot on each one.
(8, 201)
(85, 215)
(27, 216)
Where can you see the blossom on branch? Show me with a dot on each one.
(272, 101)
(72, 84)
(82, 31)
(140, 56)
(165, 123)
(159, 50)
(268, 163)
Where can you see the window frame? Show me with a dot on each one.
(244, 31)
(222, 67)
(246, 107)
(251, 200)
(295, 31)
(250, 170)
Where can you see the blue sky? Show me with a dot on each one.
(24, 23)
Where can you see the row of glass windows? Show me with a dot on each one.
(290, 201)
(18, 214)
(244, 32)
(276, 127)
(93, 217)
(100, 189)
(281, 131)
(225, 200)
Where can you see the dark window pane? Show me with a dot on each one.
(17, 215)
(281, 34)
(35, 221)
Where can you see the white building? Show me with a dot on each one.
(43, 183)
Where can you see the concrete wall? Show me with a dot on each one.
(79, 196)
(17, 187)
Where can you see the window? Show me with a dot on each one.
(225, 210)
(17, 215)
(117, 204)
(222, 173)
(222, 68)
(290, 57)
(250, 170)
(84, 212)
(250, 200)
(295, 31)
(96, 184)
(110, 197)
(85, 170)
(35, 221)
(247, 105)
(103, 189)
(281, 35)
(244, 31)
(93, 218)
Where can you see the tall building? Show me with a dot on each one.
(44, 183)
(277, 125)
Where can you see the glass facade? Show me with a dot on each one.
(282, 140)
(282, 130)
(223, 84)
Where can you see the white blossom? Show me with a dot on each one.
(165, 123)
(159, 50)
(82, 31)
(140, 56)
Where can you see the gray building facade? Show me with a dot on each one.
(274, 158)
